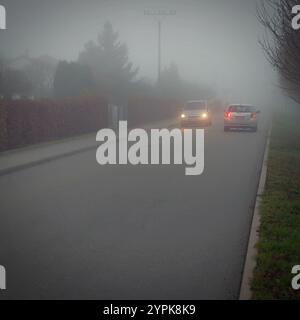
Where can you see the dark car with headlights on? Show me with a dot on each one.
(196, 113)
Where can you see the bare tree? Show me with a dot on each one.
(283, 49)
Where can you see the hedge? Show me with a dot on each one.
(3, 126)
(25, 122)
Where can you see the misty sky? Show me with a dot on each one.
(212, 41)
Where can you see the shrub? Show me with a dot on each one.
(3, 127)
(25, 122)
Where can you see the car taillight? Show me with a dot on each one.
(253, 115)
(227, 115)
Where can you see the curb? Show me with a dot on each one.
(34, 163)
(250, 262)
(60, 155)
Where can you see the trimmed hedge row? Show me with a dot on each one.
(142, 110)
(3, 126)
(25, 122)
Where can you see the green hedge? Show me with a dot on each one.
(3, 126)
(25, 122)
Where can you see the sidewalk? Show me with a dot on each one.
(23, 158)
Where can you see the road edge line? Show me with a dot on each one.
(34, 163)
(250, 261)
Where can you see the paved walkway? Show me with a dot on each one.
(33, 155)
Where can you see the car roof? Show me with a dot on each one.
(240, 105)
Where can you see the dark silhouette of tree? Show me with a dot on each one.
(72, 79)
(283, 49)
(195, 91)
(14, 82)
(41, 72)
(108, 59)
(170, 83)
(24, 75)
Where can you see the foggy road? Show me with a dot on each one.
(71, 229)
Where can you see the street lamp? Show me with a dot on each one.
(159, 15)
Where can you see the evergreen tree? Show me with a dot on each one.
(72, 79)
(109, 62)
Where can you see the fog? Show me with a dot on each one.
(160, 212)
(212, 41)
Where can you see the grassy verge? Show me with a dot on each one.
(279, 244)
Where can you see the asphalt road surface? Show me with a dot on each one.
(71, 229)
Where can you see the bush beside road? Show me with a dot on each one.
(26, 122)
(279, 244)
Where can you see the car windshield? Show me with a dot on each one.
(196, 105)
(241, 109)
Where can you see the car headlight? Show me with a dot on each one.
(204, 115)
(183, 116)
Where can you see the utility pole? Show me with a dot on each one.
(159, 15)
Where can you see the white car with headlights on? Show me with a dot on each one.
(196, 113)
